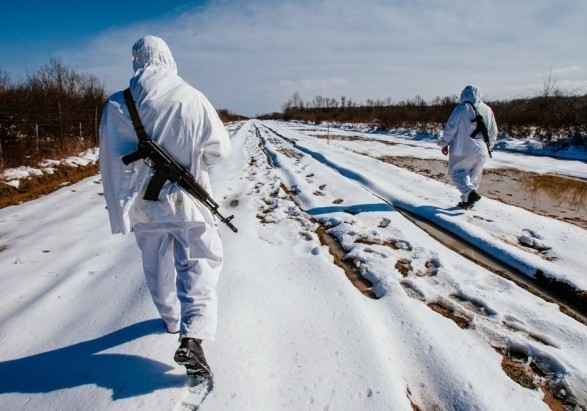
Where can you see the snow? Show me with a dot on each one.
(79, 330)
(13, 176)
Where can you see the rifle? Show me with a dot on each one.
(166, 168)
(481, 128)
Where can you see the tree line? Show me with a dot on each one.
(53, 113)
(554, 116)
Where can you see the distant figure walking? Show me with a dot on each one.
(181, 248)
(465, 146)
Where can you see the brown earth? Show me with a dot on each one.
(38, 186)
(549, 195)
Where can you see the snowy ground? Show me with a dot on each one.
(79, 330)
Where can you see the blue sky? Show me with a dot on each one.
(33, 31)
(251, 55)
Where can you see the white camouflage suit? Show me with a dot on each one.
(181, 248)
(467, 155)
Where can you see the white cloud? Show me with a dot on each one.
(567, 70)
(250, 56)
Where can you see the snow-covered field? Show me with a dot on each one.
(79, 331)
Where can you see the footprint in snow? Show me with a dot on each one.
(530, 238)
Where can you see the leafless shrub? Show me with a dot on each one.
(227, 116)
(52, 114)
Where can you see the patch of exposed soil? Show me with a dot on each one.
(352, 273)
(442, 309)
(38, 186)
(549, 195)
(535, 373)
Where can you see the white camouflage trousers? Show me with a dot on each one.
(466, 173)
(182, 263)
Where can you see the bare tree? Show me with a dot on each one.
(549, 87)
(319, 102)
(294, 102)
(4, 80)
(331, 103)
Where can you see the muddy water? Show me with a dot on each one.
(553, 196)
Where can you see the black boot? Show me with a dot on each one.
(191, 355)
(473, 198)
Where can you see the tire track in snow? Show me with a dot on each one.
(291, 327)
(424, 273)
(515, 246)
(338, 253)
(541, 282)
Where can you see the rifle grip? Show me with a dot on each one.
(155, 185)
(132, 157)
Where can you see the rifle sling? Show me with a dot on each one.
(134, 115)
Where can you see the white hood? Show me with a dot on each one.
(471, 94)
(152, 51)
